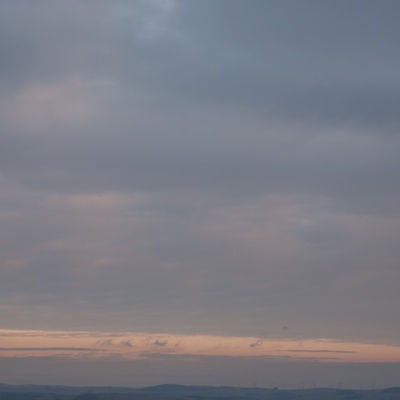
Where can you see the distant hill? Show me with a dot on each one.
(182, 392)
(392, 390)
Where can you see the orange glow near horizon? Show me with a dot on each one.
(129, 345)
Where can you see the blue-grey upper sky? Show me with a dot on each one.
(218, 167)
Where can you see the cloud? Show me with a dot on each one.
(215, 168)
(206, 371)
(105, 342)
(321, 351)
(24, 349)
(160, 343)
(180, 344)
(257, 343)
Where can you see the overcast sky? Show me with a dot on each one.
(227, 168)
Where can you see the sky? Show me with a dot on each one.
(200, 192)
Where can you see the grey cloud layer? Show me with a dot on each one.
(200, 166)
(206, 370)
